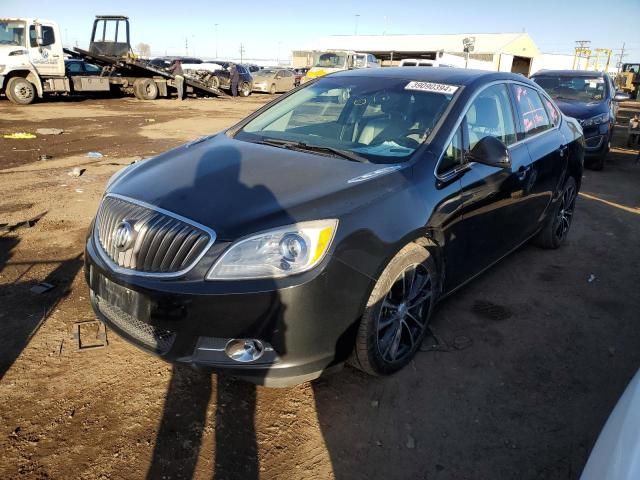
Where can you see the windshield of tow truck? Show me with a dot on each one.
(12, 33)
(331, 60)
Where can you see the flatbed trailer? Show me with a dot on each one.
(33, 61)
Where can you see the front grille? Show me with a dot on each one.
(160, 243)
(157, 339)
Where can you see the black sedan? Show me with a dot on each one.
(590, 97)
(325, 227)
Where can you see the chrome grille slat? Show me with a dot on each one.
(164, 244)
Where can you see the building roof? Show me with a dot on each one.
(484, 42)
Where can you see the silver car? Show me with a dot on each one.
(273, 80)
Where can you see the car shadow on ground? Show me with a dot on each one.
(24, 311)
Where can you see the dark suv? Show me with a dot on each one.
(591, 98)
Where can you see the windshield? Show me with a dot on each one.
(379, 119)
(331, 60)
(580, 89)
(12, 33)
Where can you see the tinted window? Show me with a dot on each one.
(490, 114)
(453, 155)
(74, 67)
(554, 115)
(92, 68)
(532, 114)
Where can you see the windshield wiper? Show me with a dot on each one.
(301, 146)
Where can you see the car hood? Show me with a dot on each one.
(237, 188)
(616, 454)
(582, 110)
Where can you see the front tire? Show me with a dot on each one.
(20, 91)
(556, 229)
(397, 313)
(245, 89)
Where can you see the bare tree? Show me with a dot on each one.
(143, 49)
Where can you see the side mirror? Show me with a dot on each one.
(490, 151)
(39, 40)
(621, 97)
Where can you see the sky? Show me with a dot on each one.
(270, 29)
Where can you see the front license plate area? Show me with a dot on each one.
(127, 300)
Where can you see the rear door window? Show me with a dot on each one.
(531, 112)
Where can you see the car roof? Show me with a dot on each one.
(569, 73)
(454, 76)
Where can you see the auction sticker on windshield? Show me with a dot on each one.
(431, 87)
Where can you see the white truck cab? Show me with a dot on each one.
(31, 59)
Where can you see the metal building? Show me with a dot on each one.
(506, 52)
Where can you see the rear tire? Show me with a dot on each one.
(397, 313)
(20, 91)
(556, 229)
(145, 89)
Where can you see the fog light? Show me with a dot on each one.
(247, 350)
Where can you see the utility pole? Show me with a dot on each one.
(357, 15)
(241, 53)
(621, 55)
(216, 28)
(186, 46)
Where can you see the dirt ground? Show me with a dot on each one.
(552, 340)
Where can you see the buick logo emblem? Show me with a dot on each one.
(123, 235)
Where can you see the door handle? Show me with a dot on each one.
(562, 150)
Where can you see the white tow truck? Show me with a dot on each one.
(32, 63)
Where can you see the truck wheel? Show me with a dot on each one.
(20, 91)
(214, 82)
(245, 89)
(145, 89)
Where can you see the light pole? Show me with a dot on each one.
(357, 15)
(216, 28)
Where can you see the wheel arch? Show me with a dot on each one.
(29, 75)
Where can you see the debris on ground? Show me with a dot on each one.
(41, 287)
(19, 136)
(10, 227)
(100, 339)
(44, 157)
(591, 278)
(94, 155)
(79, 190)
(49, 131)
(76, 172)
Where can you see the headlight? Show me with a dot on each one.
(597, 120)
(276, 253)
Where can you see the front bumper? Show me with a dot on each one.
(308, 328)
(597, 140)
